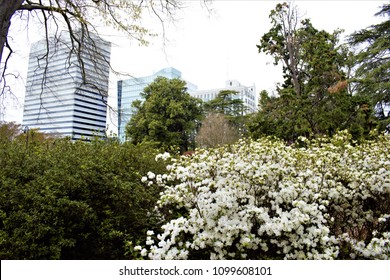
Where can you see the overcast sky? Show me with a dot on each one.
(212, 47)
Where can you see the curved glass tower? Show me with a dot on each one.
(66, 95)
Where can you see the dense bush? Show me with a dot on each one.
(73, 200)
(289, 117)
(322, 199)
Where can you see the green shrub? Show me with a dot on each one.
(74, 200)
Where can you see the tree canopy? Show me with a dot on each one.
(314, 98)
(168, 116)
(312, 59)
(282, 43)
(372, 76)
(226, 103)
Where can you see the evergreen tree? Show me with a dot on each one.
(168, 116)
(314, 98)
(372, 76)
(228, 104)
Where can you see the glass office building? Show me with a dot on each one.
(64, 96)
(130, 90)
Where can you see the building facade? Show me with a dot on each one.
(244, 93)
(67, 96)
(130, 90)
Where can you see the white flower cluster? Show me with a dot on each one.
(262, 199)
(165, 156)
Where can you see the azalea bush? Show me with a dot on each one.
(327, 198)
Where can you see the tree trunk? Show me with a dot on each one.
(292, 51)
(7, 10)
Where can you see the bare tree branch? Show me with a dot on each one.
(123, 15)
(79, 18)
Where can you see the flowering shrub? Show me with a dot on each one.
(324, 199)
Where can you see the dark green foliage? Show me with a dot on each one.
(312, 59)
(168, 116)
(288, 117)
(372, 76)
(73, 200)
(314, 98)
(226, 103)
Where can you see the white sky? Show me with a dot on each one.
(209, 48)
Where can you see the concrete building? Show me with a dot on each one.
(130, 90)
(246, 94)
(62, 97)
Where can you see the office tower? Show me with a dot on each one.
(244, 93)
(130, 90)
(66, 95)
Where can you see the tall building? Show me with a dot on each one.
(244, 93)
(65, 95)
(130, 90)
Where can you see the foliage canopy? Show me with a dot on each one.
(314, 98)
(168, 116)
(72, 200)
(372, 76)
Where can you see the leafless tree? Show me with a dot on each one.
(283, 42)
(216, 131)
